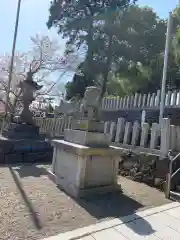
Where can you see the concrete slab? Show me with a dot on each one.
(156, 223)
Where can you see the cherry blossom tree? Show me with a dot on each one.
(43, 61)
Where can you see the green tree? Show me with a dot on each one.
(79, 20)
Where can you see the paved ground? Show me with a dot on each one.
(32, 207)
(161, 223)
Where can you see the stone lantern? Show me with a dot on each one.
(28, 89)
(22, 142)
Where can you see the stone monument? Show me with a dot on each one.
(84, 162)
(21, 142)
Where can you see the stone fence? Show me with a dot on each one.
(137, 100)
(141, 137)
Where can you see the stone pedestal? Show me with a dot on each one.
(81, 170)
(22, 143)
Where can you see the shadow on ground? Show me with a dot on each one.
(31, 170)
(116, 205)
(100, 207)
(29, 205)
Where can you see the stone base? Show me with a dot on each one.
(22, 131)
(92, 139)
(81, 170)
(24, 150)
(83, 192)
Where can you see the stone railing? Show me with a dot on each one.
(140, 137)
(53, 127)
(151, 100)
(143, 137)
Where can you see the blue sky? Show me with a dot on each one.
(34, 15)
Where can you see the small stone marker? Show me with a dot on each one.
(127, 133)
(120, 130)
(135, 133)
(155, 132)
(144, 134)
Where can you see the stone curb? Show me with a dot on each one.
(83, 232)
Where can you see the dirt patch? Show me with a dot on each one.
(32, 207)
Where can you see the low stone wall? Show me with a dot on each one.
(143, 167)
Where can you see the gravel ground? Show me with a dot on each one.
(32, 207)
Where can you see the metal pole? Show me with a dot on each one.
(163, 86)
(12, 57)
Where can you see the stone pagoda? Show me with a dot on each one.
(84, 162)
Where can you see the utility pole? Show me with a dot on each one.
(164, 77)
(12, 58)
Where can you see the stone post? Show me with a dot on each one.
(168, 99)
(173, 137)
(158, 96)
(120, 130)
(174, 98)
(143, 116)
(139, 100)
(127, 133)
(148, 100)
(128, 102)
(113, 103)
(178, 138)
(144, 100)
(165, 137)
(107, 127)
(135, 133)
(144, 134)
(135, 100)
(121, 102)
(152, 101)
(178, 98)
(124, 102)
(155, 132)
(117, 103)
(131, 101)
(113, 131)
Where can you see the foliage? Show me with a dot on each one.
(84, 23)
(123, 43)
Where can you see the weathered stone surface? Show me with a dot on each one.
(86, 171)
(87, 138)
